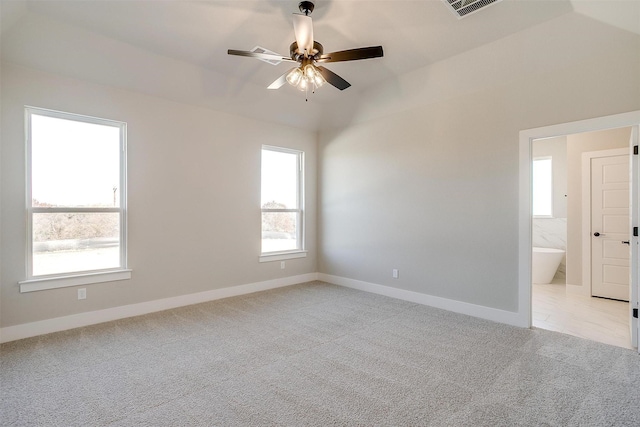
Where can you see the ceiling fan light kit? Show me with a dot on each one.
(305, 77)
(307, 52)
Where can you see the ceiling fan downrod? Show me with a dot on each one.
(306, 7)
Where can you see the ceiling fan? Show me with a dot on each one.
(307, 53)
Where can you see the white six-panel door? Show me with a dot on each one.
(610, 234)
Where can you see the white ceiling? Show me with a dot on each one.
(414, 34)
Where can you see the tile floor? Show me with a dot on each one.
(597, 319)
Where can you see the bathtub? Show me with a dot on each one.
(545, 263)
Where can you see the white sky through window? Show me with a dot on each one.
(542, 187)
(74, 163)
(279, 178)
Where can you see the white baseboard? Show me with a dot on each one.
(488, 313)
(26, 330)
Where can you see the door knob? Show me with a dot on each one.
(596, 234)
(626, 242)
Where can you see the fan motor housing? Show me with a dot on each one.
(295, 55)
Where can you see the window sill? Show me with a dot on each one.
(42, 284)
(281, 256)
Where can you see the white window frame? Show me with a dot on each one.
(52, 281)
(300, 251)
(550, 158)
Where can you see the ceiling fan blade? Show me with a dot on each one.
(352, 54)
(257, 55)
(333, 79)
(281, 80)
(303, 28)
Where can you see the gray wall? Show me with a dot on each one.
(194, 196)
(424, 178)
(430, 185)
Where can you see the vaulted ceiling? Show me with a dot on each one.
(147, 45)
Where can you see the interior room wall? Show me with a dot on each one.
(552, 232)
(576, 145)
(193, 190)
(421, 175)
(430, 185)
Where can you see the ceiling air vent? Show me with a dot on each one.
(259, 49)
(463, 8)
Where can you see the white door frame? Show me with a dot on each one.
(634, 279)
(586, 211)
(524, 208)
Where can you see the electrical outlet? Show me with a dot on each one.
(82, 293)
(281, 265)
(394, 273)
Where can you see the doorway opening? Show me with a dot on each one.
(565, 224)
(581, 235)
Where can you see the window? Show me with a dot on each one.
(542, 187)
(76, 200)
(282, 204)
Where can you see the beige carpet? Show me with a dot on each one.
(315, 354)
